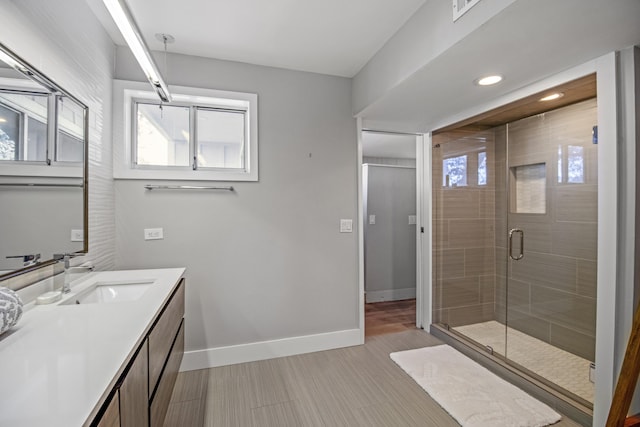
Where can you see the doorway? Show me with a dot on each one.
(390, 221)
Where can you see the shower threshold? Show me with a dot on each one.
(565, 369)
(570, 404)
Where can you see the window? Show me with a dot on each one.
(23, 126)
(454, 171)
(162, 135)
(482, 168)
(202, 134)
(574, 166)
(70, 142)
(25, 136)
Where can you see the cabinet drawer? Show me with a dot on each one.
(163, 334)
(162, 397)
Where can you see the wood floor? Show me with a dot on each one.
(354, 386)
(389, 316)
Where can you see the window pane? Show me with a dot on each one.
(23, 126)
(70, 148)
(482, 168)
(575, 166)
(162, 135)
(70, 143)
(9, 133)
(560, 163)
(220, 139)
(36, 147)
(454, 171)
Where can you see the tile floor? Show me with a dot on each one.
(569, 371)
(351, 387)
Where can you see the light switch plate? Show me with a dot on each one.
(153, 234)
(346, 225)
(412, 219)
(372, 219)
(77, 235)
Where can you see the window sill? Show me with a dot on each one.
(41, 170)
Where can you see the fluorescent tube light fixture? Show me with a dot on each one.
(132, 35)
(12, 62)
(8, 57)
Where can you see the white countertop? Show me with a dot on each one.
(59, 361)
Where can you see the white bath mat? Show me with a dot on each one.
(470, 393)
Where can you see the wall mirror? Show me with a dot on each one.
(43, 169)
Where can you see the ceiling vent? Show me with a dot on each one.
(460, 7)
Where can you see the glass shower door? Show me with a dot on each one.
(550, 194)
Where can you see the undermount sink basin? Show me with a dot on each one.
(110, 292)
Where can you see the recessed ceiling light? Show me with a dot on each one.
(3, 120)
(488, 80)
(552, 96)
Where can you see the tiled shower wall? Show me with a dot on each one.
(552, 290)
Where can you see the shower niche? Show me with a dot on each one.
(515, 236)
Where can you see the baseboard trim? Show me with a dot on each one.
(222, 356)
(390, 295)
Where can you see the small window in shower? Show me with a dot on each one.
(482, 168)
(529, 189)
(574, 165)
(454, 171)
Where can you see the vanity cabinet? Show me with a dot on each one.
(111, 416)
(133, 391)
(143, 393)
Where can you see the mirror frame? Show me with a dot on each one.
(34, 74)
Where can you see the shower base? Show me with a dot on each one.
(565, 369)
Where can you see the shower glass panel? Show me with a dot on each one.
(551, 290)
(464, 237)
(515, 242)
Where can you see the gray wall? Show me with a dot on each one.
(69, 45)
(390, 243)
(37, 218)
(267, 261)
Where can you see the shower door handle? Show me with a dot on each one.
(521, 254)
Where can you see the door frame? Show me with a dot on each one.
(422, 243)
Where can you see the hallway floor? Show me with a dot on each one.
(389, 317)
(353, 386)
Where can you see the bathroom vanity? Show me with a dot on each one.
(107, 354)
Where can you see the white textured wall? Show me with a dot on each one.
(267, 261)
(65, 41)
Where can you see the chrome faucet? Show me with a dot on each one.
(66, 286)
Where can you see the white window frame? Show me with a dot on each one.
(124, 95)
(50, 167)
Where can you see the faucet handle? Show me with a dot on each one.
(65, 257)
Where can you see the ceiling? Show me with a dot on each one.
(388, 145)
(526, 42)
(333, 37)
